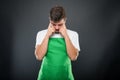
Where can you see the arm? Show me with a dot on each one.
(41, 49)
(71, 50)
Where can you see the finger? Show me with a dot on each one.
(50, 25)
(60, 30)
(64, 26)
(53, 31)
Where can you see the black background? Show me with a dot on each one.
(96, 21)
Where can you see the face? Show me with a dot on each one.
(58, 25)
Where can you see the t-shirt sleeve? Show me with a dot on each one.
(39, 38)
(75, 40)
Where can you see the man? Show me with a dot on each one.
(56, 47)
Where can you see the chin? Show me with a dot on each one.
(56, 31)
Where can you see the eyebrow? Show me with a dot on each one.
(58, 24)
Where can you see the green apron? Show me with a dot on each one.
(56, 64)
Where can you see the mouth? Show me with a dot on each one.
(57, 31)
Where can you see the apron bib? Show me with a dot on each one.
(56, 64)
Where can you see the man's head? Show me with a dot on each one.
(57, 17)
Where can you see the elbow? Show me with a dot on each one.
(74, 58)
(37, 56)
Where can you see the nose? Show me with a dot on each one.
(56, 27)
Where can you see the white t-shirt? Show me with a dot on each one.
(72, 35)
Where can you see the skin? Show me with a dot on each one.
(53, 27)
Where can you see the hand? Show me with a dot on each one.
(63, 31)
(51, 30)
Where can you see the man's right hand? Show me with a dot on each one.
(51, 30)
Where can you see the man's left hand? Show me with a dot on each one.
(63, 31)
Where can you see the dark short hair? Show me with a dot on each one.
(57, 13)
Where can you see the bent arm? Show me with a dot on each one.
(71, 50)
(41, 49)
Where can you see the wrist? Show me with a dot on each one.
(66, 36)
(47, 36)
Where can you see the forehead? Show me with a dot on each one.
(60, 22)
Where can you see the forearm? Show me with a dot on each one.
(42, 48)
(71, 50)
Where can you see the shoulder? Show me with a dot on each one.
(42, 32)
(72, 33)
